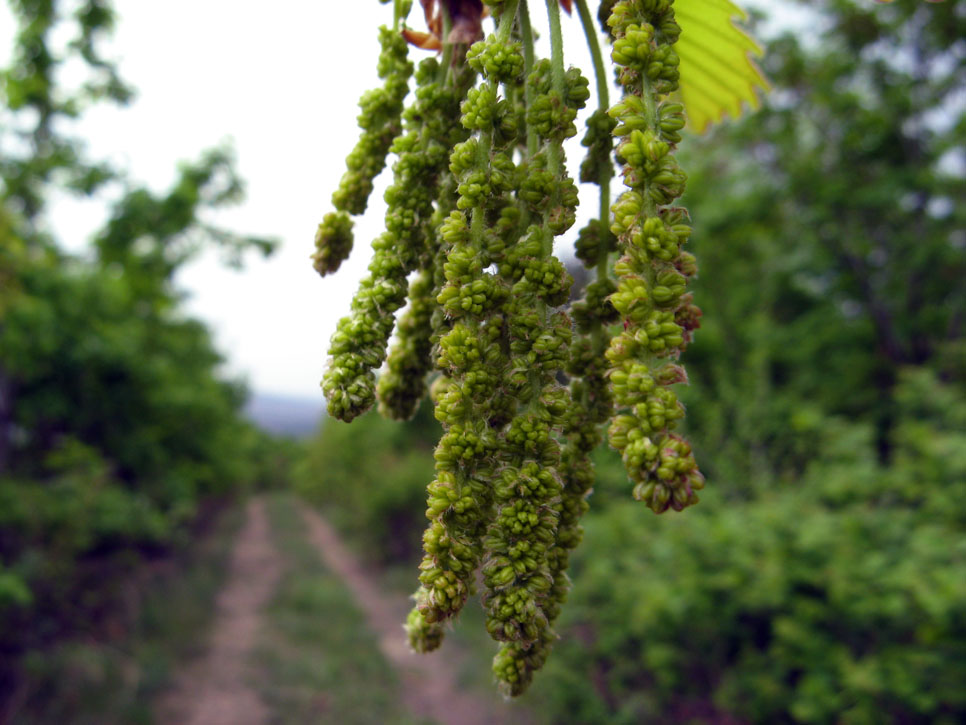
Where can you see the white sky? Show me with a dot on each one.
(283, 86)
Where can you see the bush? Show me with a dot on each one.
(839, 598)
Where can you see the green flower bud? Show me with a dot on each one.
(423, 635)
(497, 61)
(481, 110)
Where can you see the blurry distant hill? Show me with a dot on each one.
(285, 415)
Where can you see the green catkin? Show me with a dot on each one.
(480, 192)
(470, 353)
(403, 384)
(591, 402)
(518, 572)
(379, 119)
(359, 344)
(333, 242)
(653, 271)
(448, 198)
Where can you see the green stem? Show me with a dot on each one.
(506, 20)
(603, 103)
(447, 59)
(593, 43)
(558, 82)
(558, 79)
(650, 114)
(483, 146)
(529, 93)
(650, 206)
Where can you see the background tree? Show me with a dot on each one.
(115, 425)
(837, 209)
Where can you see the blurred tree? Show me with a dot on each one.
(832, 235)
(35, 153)
(114, 422)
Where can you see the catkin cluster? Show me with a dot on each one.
(523, 379)
(653, 271)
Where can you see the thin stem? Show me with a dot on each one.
(506, 20)
(526, 30)
(603, 264)
(558, 79)
(593, 43)
(650, 114)
(558, 82)
(447, 59)
(603, 103)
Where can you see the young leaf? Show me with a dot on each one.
(717, 72)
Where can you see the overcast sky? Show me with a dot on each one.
(282, 86)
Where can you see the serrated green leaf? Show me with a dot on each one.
(717, 72)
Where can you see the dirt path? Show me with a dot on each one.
(430, 687)
(215, 690)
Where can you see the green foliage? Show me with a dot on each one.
(115, 673)
(30, 88)
(824, 580)
(830, 227)
(717, 73)
(840, 597)
(116, 425)
(89, 357)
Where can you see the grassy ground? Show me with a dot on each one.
(318, 660)
(112, 675)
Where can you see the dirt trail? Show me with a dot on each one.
(430, 687)
(216, 690)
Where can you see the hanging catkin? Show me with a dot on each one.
(524, 382)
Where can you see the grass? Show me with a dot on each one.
(113, 676)
(318, 661)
